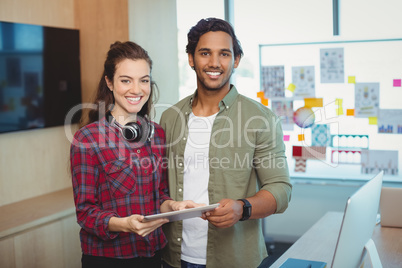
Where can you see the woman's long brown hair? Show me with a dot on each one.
(104, 99)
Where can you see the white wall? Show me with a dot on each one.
(290, 21)
(153, 25)
(309, 203)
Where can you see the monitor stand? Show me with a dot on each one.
(373, 254)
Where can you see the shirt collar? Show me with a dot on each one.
(230, 98)
(226, 102)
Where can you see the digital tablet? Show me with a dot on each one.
(182, 214)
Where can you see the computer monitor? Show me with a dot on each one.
(358, 225)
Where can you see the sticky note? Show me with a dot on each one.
(297, 151)
(372, 120)
(397, 83)
(350, 112)
(339, 111)
(264, 101)
(300, 137)
(260, 94)
(352, 80)
(313, 102)
(338, 102)
(286, 137)
(292, 87)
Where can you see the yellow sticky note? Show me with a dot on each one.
(352, 80)
(313, 102)
(300, 137)
(260, 94)
(338, 102)
(292, 87)
(264, 101)
(350, 112)
(339, 111)
(372, 120)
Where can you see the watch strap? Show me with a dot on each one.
(246, 209)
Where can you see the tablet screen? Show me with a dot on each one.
(182, 214)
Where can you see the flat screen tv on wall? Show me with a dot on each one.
(40, 77)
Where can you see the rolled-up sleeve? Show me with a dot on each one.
(85, 172)
(271, 164)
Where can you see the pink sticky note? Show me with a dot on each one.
(286, 137)
(397, 82)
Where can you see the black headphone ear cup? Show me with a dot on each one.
(147, 128)
(146, 131)
(151, 130)
(132, 131)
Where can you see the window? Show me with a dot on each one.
(268, 22)
(271, 22)
(189, 12)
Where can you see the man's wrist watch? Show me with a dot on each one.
(246, 209)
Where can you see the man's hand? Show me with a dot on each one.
(226, 215)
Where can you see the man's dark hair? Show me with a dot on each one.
(211, 25)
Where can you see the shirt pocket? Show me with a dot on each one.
(233, 159)
(120, 178)
(232, 176)
(234, 184)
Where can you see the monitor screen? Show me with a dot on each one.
(40, 79)
(358, 224)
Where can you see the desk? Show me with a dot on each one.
(40, 232)
(319, 242)
(33, 212)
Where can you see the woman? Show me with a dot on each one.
(117, 170)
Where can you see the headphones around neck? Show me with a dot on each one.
(133, 131)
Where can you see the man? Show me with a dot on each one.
(222, 148)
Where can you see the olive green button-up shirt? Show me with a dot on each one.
(246, 154)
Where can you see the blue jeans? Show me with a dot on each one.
(185, 264)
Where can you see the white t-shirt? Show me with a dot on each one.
(195, 185)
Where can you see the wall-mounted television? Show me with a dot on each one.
(40, 77)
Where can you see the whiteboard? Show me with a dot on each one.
(368, 61)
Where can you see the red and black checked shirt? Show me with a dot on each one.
(115, 178)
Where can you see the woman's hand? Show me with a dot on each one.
(170, 205)
(135, 224)
(180, 205)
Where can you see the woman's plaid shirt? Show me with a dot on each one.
(115, 178)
